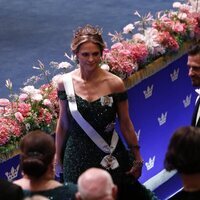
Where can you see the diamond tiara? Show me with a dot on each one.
(88, 30)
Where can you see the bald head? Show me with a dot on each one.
(96, 184)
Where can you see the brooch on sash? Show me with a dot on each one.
(109, 162)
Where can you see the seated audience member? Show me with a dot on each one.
(96, 184)
(37, 164)
(183, 155)
(10, 191)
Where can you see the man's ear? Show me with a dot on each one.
(114, 192)
(78, 196)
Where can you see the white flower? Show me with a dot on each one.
(128, 28)
(37, 97)
(186, 7)
(138, 37)
(105, 67)
(150, 39)
(64, 65)
(182, 16)
(176, 5)
(151, 35)
(30, 90)
(195, 5)
(47, 102)
(28, 126)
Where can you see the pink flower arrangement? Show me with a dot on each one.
(123, 57)
(167, 41)
(31, 109)
(160, 36)
(10, 132)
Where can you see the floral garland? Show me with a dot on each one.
(30, 110)
(157, 37)
(131, 52)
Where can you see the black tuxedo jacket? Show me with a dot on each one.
(194, 116)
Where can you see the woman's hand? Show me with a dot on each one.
(136, 169)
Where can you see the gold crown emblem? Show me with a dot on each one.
(187, 101)
(12, 174)
(150, 163)
(174, 75)
(148, 92)
(162, 119)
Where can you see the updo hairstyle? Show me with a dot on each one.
(87, 33)
(37, 153)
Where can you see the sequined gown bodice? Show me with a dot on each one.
(81, 152)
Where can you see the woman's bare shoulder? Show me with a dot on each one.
(60, 83)
(116, 83)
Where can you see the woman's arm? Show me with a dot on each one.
(128, 132)
(61, 130)
(127, 128)
(62, 125)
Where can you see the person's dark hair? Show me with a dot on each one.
(87, 33)
(183, 151)
(37, 152)
(194, 50)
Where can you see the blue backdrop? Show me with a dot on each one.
(158, 105)
(10, 169)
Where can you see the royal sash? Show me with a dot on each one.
(109, 161)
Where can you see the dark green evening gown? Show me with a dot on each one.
(81, 153)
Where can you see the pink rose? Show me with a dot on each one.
(23, 97)
(4, 135)
(117, 45)
(19, 117)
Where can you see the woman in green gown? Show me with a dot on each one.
(100, 98)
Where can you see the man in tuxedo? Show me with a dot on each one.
(194, 73)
